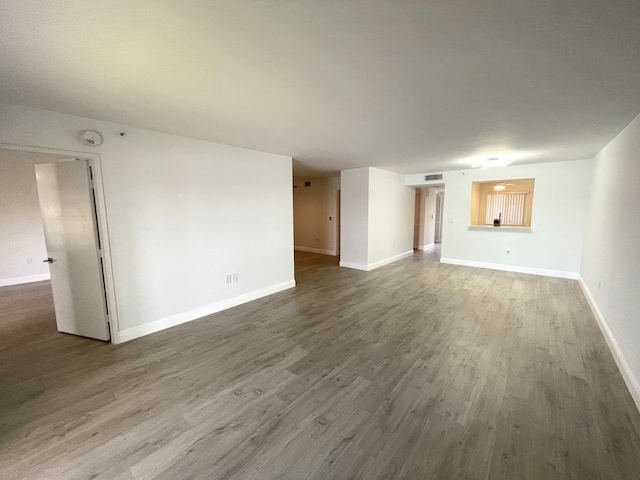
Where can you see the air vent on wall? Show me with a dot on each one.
(437, 176)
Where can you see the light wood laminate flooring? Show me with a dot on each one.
(415, 370)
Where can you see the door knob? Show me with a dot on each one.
(48, 260)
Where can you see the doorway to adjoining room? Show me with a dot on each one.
(51, 240)
(428, 218)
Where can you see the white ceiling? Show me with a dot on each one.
(410, 86)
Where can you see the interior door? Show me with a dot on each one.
(338, 224)
(438, 223)
(67, 205)
(416, 220)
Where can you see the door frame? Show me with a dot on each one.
(103, 225)
(338, 219)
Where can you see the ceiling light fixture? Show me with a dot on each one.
(500, 186)
(491, 162)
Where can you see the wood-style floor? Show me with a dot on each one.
(413, 371)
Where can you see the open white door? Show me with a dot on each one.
(67, 205)
(438, 224)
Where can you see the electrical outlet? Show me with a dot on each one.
(231, 278)
(28, 260)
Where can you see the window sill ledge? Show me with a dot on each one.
(501, 227)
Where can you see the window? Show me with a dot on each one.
(511, 201)
(508, 207)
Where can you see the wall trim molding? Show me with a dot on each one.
(389, 260)
(426, 247)
(511, 268)
(356, 266)
(380, 263)
(633, 384)
(5, 282)
(180, 318)
(322, 251)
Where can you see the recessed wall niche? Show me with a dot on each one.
(507, 203)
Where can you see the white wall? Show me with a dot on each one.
(315, 214)
(391, 217)
(377, 218)
(610, 270)
(354, 218)
(182, 213)
(553, 245)
(21, 233)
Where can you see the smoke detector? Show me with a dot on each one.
(91, 137)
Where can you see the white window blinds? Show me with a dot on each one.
(510, 205)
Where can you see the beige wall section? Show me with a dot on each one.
(475, 204)
(21, 234)
(315, 214)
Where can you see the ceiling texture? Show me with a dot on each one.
(408, 86)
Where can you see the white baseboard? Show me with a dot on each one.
(172, 321)
(316, 250)
(389, 260)
(511, 268)
(426, 247)
(627, 374)
(5, 282)
(355, 266)
(377, 264)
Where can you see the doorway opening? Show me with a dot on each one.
(316, 215)
(53, 232)
(427, 228)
